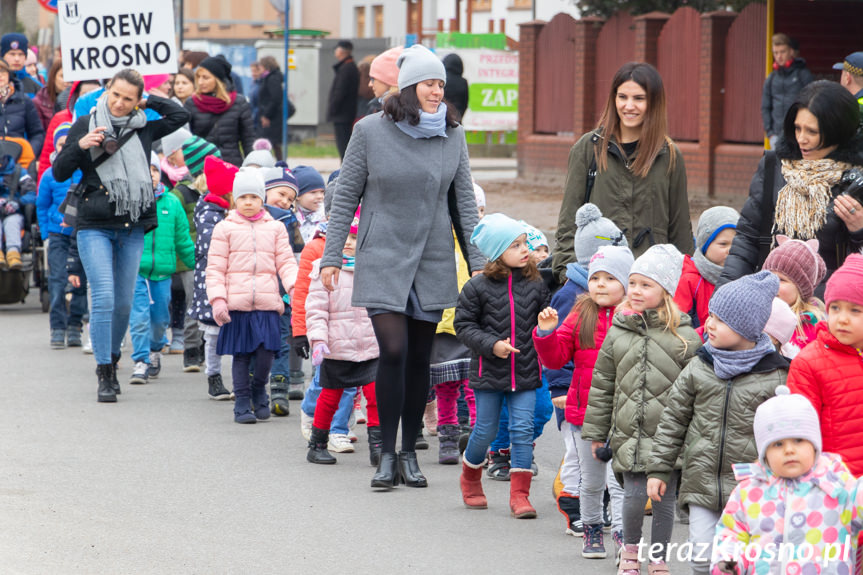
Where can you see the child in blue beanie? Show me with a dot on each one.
(309, 204)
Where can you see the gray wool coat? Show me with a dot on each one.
(405, 231)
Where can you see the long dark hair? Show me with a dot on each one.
(654, 130)
(51, 85)
(406, 106)
(836, 110)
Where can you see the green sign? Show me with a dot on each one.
(493, 98)
(463, 41)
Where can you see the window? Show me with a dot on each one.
(481, 5)
(360, 19)
(378, 14)
(521, 4)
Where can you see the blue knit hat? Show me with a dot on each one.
(276, 177)
(61, 130)
(13, 41)
(308, 179)
(494, 234)
(745, 304)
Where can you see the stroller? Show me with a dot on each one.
(15, 284)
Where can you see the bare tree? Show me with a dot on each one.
(8, 15)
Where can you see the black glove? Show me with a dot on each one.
(301, 346)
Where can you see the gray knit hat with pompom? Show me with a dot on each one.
(594, 231)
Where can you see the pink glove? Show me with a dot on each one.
(318, 354)
(220, 312)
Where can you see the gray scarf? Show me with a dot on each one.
(708, 270)
(126, 174)
(728, 364)
(430, 125)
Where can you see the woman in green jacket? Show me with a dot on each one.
(152, 301)
(629, 168)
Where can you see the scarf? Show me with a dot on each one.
(347, 262)
(217, 200)
(159, 191)
(728, 364)
(708, 270)
(126, 174)
(174, 173)
(430, 125)
(254, 218)
(803, 203)
(213, 105)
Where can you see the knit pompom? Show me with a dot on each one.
(586, 214)
(782, 390)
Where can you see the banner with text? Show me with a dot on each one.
(492, 77)
(98, 38)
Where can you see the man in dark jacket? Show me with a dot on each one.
(342, 108)
(788, 77)
(456, 90)
(13, 50)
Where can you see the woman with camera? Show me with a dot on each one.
(115, 205)
(799, 191)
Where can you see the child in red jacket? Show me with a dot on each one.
(830, 372)
(713, 236)
(578, 339)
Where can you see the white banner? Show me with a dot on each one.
(492, 76)
(98, 38)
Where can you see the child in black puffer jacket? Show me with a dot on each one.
(496, 314)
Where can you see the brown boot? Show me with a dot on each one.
(13, 259)
(3, 266)
(519, 489)
(471, 486)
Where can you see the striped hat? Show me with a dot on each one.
(195, 149)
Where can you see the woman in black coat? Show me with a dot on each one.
(115, 206)
(270, 97)
(804, 178)
(220, 116)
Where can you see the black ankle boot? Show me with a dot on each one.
(318, 447)
(409, 470)
(387, 475)
(115, 383)
(106, 393)
(375, 442)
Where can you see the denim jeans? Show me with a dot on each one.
(111, 259)
(151, 314)
(343, 413)
(543, 413)
(521, 426)
(287, 361)
(58, 249)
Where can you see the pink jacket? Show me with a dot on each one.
(245, 261)
(330, 318)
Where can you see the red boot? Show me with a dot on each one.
(471, 486)
(519, 489)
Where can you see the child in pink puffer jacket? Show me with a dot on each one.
(249, 252)
(344, 345)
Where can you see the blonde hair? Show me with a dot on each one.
(221, 92)
(669, 314)
(800, 307)
(200, 184)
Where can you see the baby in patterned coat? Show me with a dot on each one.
(796, 511)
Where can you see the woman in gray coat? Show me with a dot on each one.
(409, 166)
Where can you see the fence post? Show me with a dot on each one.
(714, 33)
(586, 35)
(529, 32)
(647, 29)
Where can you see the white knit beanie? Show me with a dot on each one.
(417, 64)
(249, 181)
(786, 416)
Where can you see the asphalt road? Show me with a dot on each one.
(165, 482)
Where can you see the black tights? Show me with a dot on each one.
(402, 384)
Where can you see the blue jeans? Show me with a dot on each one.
(111, 259)
(544, 411)
(151, 314)
(343, 413)
(521, 425)
(58, 249)
(282, 364)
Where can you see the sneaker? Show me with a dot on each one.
(352, 436)
(359, 416)
(73, 337)
(297, 386)
(58, 339)
(140, 375)
(422, 442)
(498, 465)
(155, 364)
(217, 389)
(592, 546)
(570, 507)
(306, 425)
(190, 361)
(177, 346)
(617, 538)
(340, 443)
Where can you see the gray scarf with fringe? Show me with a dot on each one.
(126, 174)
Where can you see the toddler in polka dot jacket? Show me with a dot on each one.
(796, 511)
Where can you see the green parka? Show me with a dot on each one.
(169, 241)
(649, 210)
(637, 364)
(709, 420)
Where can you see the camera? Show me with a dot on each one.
(851, 184)
(110, 145)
